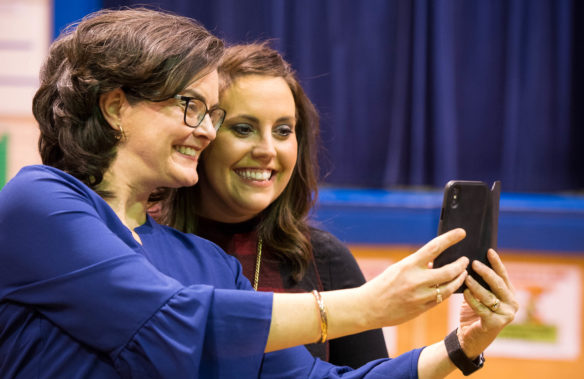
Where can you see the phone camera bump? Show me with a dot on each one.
(455, 197)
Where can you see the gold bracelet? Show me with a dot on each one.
(323, 320)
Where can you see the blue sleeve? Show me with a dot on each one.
(65, 254)
(338, 269)
(298, 363)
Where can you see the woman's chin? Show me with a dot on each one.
(187, 181)
(255, 208)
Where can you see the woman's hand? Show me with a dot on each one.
(485, 313)
(410, 287)
(401, 292)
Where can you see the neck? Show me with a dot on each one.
(210, 206)
(227, 219)
(127, 201)
(131, 212)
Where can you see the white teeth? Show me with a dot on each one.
(186, 150)
(255, 174)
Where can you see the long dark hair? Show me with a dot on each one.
(283, 225)
(149, 54)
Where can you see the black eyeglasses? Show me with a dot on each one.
(195, 111)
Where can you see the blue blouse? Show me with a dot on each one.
(80, 298)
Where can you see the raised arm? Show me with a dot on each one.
(403, 291)
(483, 316)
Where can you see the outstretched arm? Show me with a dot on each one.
(403, 291)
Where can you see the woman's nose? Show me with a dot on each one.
(264, 148)
(205, 129)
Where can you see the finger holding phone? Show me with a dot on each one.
(486, 312)
(410, 287)
(489, 297)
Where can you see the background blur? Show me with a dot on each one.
(418, 92)
(411, 94)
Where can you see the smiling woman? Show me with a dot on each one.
(91, 287)
(257, 185)
(164, 153)
(251, 165)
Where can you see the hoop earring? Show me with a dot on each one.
(122, 135)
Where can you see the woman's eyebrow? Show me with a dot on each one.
(287, 119)
(190, 92)
(290, 119)
(246, 117)
(193, 93)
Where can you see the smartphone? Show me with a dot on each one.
(470, 205)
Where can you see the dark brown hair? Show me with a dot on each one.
(283, 225)
(149, 54)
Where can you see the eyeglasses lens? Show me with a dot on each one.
(195, 113)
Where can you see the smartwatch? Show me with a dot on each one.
(459, 358)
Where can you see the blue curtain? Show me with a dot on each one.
(415, 93)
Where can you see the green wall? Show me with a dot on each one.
(3, 159)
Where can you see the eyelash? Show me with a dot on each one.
(241, 129)
(285, 130)
(245, 129)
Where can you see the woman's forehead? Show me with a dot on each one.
(205, 87)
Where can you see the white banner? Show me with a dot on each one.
(25, 30)
(548, 324)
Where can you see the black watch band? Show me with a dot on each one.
(459, 358)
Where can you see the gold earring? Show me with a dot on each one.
(119, 137)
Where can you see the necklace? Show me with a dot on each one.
(256, 278)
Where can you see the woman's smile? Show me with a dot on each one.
(254, 174)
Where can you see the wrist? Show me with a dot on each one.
(466, 347)
(459, 357)
(368, 307)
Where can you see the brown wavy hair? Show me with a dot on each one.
(149, 54)
(283, 226)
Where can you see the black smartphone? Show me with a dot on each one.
(470, 205)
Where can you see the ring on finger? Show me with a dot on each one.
(493, 307)
(438, 295)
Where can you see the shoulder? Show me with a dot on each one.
(40, 176)
(208, 258)
(326, 246)
(40, 182)
(187, 238)
(191, 241)
(336, 264)
(42, 190)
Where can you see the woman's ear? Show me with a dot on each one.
(111, 104)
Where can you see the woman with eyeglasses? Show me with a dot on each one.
(257, 185)
(91, 287)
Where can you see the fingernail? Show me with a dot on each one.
(463, 261)
(477, 264)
